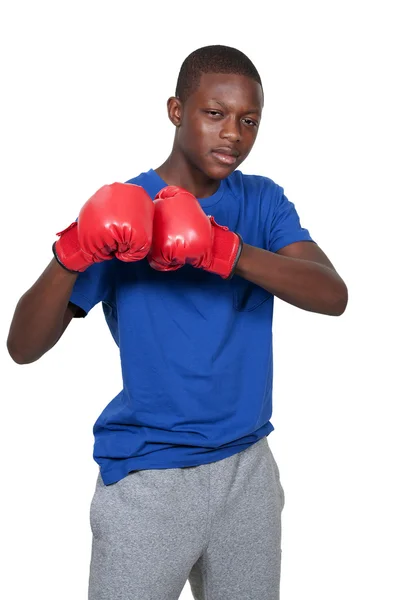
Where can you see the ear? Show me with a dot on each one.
(174, 109)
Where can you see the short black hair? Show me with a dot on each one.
(212, 59)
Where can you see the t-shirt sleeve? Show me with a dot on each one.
(92, 286)
(285, 224)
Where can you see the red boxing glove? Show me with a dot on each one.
(116, 221)
(184, 234)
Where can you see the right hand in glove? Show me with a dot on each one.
(116, 221)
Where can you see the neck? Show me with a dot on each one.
(176, 170)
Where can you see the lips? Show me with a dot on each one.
(225, 155)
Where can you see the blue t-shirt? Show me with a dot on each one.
(195, 349)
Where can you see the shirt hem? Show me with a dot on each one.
(113, 475)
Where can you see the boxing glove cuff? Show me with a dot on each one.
(68, 253)
(226, 250)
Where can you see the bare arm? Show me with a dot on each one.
(115, 221)
(299, 273)
(42, 315)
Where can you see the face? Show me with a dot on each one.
(217, 125)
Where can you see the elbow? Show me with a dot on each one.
(340, 301)
(18, 356)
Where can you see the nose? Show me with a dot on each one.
(231, 130)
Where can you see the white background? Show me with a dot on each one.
(83, 103)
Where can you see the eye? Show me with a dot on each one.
(250, 122)
(213, 113)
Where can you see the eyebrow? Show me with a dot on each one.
(251, 111)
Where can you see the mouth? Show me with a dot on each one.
(225, 156)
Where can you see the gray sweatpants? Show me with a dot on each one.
(217, 525)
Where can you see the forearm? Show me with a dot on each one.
(303, 283)
(38, 319)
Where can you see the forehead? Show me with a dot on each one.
(232, 90)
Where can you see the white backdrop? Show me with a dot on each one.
(83, 103)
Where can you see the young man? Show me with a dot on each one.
(188, 487)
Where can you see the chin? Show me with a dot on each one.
(218, 173)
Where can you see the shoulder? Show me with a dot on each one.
(150, 181)
(139, 179)
(254, 185)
